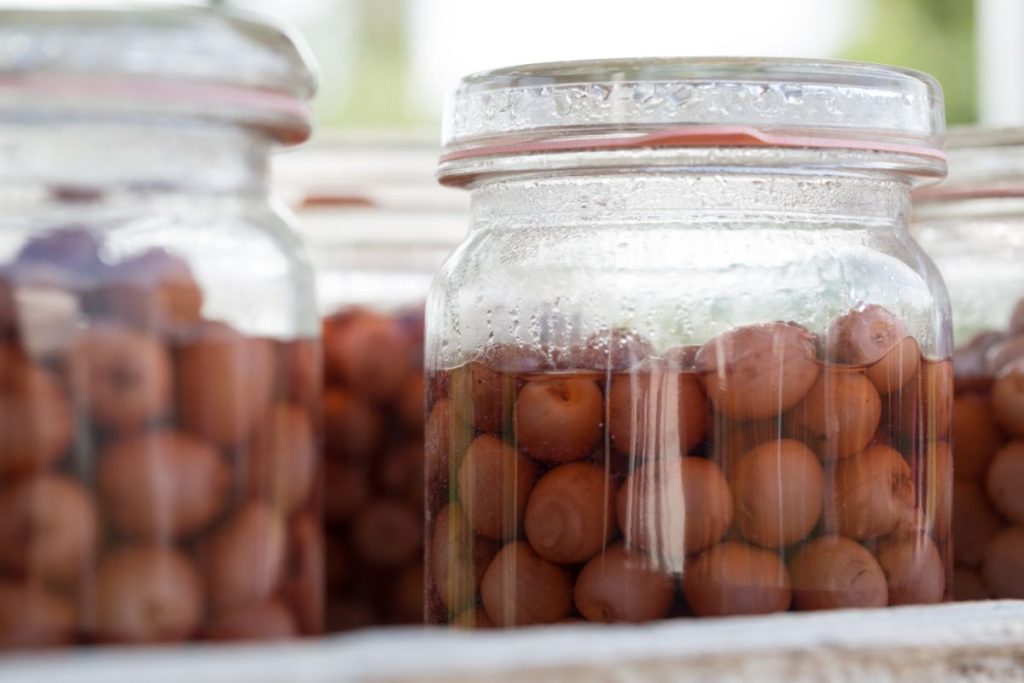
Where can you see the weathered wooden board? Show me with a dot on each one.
(962, 642)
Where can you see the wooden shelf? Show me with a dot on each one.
(981, 641)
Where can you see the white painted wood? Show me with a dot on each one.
(1000, 51)
(978, 642)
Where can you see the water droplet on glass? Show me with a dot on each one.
(563, 103)
(793, 93)
(599, 92)
(680, 95)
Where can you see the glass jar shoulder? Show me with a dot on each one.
(238, 254)
(680, 281)
(979, 255)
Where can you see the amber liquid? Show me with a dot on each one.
(545, 506)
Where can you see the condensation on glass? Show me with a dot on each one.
(688, 361)
(159, 339)
(973, 227)
(378, 228)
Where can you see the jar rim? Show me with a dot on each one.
(972, 137)
(216, 64)
(984, 163)
(721, 101)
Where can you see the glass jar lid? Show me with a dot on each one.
(222, 65)
(984, 163)
(888, 117)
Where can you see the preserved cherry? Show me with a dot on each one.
(617, 586)
(568, 519)
(1004, 561)
(147, 594)
(519, 588)
(758, 371)
(834, 571)
(225, 383)
(124, 377)
(733, 578)
(559, 420)
(31, 617)
(873, 492)
(634, 397)
(656, 495)
(154, 290)
(913, 569)
(267, 621)
(245, 557)
(36, 420)
(49, 529)
(162, 485)
(778, 489)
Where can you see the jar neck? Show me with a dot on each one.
(872, 201)
(90, 159)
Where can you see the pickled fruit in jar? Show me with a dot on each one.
(988, 462)
(769, 470)
(754, 357)
(158, 336)
(159, 473)
(375, 430)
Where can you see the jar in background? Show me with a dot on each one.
(688, 360)
(377, 233)
(973, 227)
(159, 362)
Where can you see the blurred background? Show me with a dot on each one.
(386, 64)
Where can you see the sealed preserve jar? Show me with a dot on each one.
(688, 361)
(377, 233)
(159, 375)
(973, 227)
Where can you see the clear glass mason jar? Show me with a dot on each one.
(973, 227)
(377, 232)
(689, 360)
(159, 361)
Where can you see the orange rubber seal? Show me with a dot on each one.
(693, 136)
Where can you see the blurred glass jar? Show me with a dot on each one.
(159, 384)
(688, 360)
(378, 231)
(973, 228)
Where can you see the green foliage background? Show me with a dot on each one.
(936, 36)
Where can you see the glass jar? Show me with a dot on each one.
(159, 362)
(973, 227)
(689, 360)
(378, 231)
